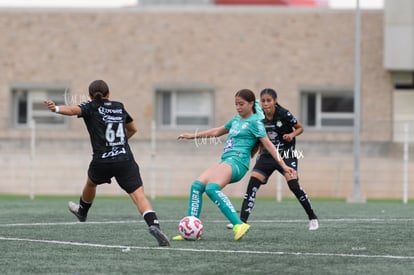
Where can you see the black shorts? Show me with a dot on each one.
(126, 174)
(266, 165)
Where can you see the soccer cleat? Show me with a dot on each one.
(239, 230)
(229, 226)
(313, 224)
(178, 238)
(181, 238)
(161, 237)
(74, 208)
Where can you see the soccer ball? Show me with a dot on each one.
(190, 228)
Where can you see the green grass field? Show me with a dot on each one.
(40, 236)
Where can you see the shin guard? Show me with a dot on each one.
(195, 203)
(249, 198)
(302, 198)
(223, 202)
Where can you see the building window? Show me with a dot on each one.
(28, 105)
(327, 109)
(184, 107)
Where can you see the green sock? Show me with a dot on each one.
(195, 203)
(223, 202)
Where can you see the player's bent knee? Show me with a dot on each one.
(258, 176)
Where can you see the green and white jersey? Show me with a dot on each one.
(243, 135)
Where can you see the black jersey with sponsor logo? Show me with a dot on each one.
(282, 123)
(106, 122)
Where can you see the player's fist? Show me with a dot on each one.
(50, 105)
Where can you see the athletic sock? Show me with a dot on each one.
(195, 203)
(223, 202)
(249, 198)
(302, 198)
(84, 207)
(151, 218)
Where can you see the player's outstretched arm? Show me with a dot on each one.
(275, 154)
(63, 109)
(213, 132)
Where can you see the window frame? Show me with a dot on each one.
(319, 93)
(173, 90)
(36, 93)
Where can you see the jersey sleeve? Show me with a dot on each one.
(85, 107)
(228, 124)
(258, 129)
(128, 118)
(290, 118)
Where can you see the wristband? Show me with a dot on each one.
(57, 109)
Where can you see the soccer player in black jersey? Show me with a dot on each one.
(110, 126)
(282, 128)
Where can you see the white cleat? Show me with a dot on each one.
(229, 226)
(313, 224)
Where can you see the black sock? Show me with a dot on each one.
(151, 218)
(249, 198)
(302, 198)
(84, 207)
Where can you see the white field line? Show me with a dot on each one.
(345, 220)
(127, 248)
(280, 253)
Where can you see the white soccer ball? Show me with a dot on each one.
(190, 228)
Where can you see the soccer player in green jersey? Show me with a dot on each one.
(244, 131)
(282, 128)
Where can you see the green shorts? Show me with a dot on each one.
(238, 170)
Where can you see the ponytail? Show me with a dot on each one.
(98, 89)
(97, 96)
(258, 110)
